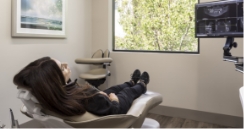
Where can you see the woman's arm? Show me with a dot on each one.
(111, 96)
(101, 105)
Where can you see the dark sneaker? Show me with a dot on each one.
(136, 76)
(145, 78)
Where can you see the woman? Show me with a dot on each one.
(47, 78)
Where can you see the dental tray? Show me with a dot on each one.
(239, 67)
(93, 60)
(234, 59)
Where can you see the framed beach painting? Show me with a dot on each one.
(39, 18)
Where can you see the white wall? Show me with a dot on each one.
(200, 82)
(15, 53)
(99, 22)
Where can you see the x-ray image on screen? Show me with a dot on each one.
(206, 26)
(240, 9)
(219, 19)
(240, 23)
(226, 25)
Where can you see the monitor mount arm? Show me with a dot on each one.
(228, 57)
(228, 46)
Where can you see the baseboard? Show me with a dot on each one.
(220, 119)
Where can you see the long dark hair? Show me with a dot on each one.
(47, 83)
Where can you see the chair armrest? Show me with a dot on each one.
(93, 60)
(141, 106)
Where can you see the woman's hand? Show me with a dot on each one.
(113, 97)
(103, 93)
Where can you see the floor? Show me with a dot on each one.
(173, 122)
(165, 122)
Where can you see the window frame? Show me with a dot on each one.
(148, 51)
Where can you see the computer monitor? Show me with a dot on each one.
(219, 19)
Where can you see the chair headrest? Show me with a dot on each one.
(30, 101)
(26, 95)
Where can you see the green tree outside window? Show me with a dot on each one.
(155, 25)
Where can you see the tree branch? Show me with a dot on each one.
(157, 41)
(184, 36)
(169, 11)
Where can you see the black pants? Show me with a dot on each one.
(126, 94)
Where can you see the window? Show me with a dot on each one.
(155, 26)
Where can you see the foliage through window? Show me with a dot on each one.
(155, 25)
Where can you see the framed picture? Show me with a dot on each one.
(39, 18)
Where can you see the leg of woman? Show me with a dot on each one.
(135, 76)
(128, 95)
(116, 89)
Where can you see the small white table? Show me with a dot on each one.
(242, 98)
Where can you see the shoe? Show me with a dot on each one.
(135, 76)
(144, 80)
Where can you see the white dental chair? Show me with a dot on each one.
(96, 76)
(135, 117)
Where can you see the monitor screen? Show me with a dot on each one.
(219, 19)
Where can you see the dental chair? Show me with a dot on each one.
(135, 117)
(98, 75)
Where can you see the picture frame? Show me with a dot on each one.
(39, 18)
